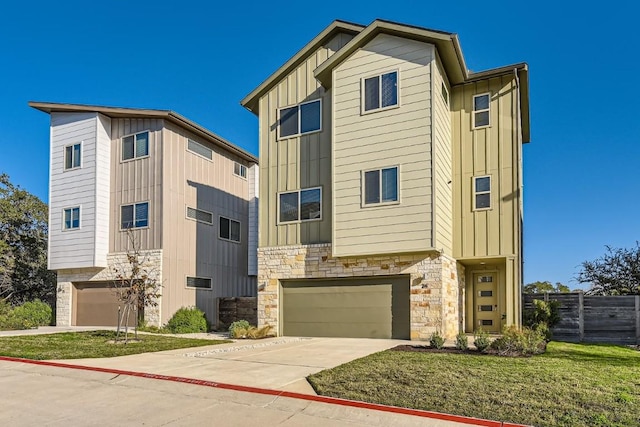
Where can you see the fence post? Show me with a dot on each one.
(637, 319)
(581, 315)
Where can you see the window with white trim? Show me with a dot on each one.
(445, 93)
(240, 170)
(199, 149)
(380, 186)
(300, 119)
(72, 156)
(380, 92)
(199, 282)
(481, 192)
(229, 229)
(200, 215)
(300, 205)
(134, 216)
(135, 146)
(481, 108)
(71, 218)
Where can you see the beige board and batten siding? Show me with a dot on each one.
(442, 158)
(81, 187)
(298, 162)
(394, 137)
(136, 180)
(192, 248)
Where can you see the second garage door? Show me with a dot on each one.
(355, 308)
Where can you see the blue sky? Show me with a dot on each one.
(200, 58)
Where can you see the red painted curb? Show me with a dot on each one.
(282, 393)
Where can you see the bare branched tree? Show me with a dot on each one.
(136, 286)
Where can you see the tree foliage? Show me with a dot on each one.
(23, 246)
(617, 272)
(546, 286)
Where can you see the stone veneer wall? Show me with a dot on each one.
(435, 281)
(66, 278)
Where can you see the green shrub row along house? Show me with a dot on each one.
(390, 193)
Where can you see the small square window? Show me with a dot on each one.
(71, 218)
(199, 149)
(301, 205)
(134, 216)
(229, 229)
(300, 119)
(381, 186)
(72, 156)
(240, 170)
(380, 92)
(482, 192)
(135, 146)
(481, 108)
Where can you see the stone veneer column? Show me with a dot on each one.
(433, 299)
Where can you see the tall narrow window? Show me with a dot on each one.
(71, 218)
(229, 229)
(134, 216)
(380, 92)
(482, 192)
(380, 186)
(72, 156)
(301, 205)
(300, 119)
(134, 146)
(481, 106)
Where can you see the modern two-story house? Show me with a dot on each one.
(391, 187)
(186, 196)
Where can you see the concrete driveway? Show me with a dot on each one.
(274, 363)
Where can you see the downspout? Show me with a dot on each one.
(521, 188)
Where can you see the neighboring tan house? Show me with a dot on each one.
(187, 195)
(391, 187)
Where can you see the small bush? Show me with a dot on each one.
(29, 315)
(436, 340)
(481, 339)
(519, 342)
(187, 320)
(462, 342)
(543, 315)
(237, 328)
(243, 331)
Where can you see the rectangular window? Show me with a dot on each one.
(199, 149)
(72, 218)
(134, 216)
(380, 92)
(135, 146)
(481, 110)
(240, 170)
(301, 205)
(200, 215)
(229, 229)
(482, 192)
(300, 119)
(199, 282)
(380, 186)
(72, 156)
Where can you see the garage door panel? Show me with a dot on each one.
(96, 304)
(341, 330)
(340, 315)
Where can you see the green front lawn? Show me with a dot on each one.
(569, 385)
(79, 345)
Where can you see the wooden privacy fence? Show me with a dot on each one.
(602, 319)
(237, 308)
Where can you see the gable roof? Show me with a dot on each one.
(173, 117)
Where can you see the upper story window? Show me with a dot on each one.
(200, 215)
(481, 107)
(300, 119)
(72, 156)
(134, 146)
(445, 94)
(229, 229)
(301, 205)
(380, 92)
(240, 170)
(380, 186)
(199, 149)
(71, 218)
(481, 192)
(134, 216)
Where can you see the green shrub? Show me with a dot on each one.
(436, 340)
(462, 343)
(187, 320)
(481, 339)
(543, 316)
(238, 328)
(29, 315)
(519, 342)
